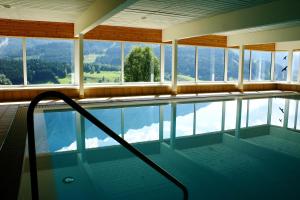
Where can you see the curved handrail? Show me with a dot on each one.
(96, 122)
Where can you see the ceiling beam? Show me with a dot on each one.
(263, 37)
(97, 13)
(281, 11)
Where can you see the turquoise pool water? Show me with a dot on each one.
(233, 149)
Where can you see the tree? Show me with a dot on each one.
(140, 64)
(4, 80)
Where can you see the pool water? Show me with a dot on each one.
(225, 149)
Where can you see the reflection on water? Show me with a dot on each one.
(63, 130)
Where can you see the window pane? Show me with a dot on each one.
(102, 62)
(11, 61)
(247, 64)
(142, 62)
(95, 137)
(184, 119)
(261, 65)
(230, 114)
(208, 117)
(139, 129)
(233, 64)
(278, 106)
(186, 63)
(168, 62)
(258, 112)
(211, 64)
(295, 66)
(281, 65)
(50, 61)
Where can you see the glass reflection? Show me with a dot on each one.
(184, 119)
(94, 137)
(278, 109)
(64, 130)
(141, 123)
(258, 112)
(209, 117)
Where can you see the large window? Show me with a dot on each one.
(11, 65)
(50, 61)
(261, 65)
(211, 64)
(102, 62)
(295, 66)
(233, 64)
(186, 63)
(142, 62)
(281, 65)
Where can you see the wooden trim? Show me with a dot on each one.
(118, 91)
(27, 94)
(207, 40)
(259, 86)
(118, 33)
(205, 88)
(26, 28)
(259, 47)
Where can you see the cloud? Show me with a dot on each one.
(4, 42)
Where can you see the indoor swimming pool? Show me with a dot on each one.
(238, 148)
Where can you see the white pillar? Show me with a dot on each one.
(290, 63)
(79, 65)
(241, 68)
(174, 66)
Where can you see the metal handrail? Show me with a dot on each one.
(96, 122)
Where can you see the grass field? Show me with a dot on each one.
(181, 77)
(102, 77)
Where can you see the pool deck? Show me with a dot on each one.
(7, 115)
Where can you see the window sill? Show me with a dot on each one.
(32, 87)
(125, 85)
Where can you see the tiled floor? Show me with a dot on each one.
(7, 115)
